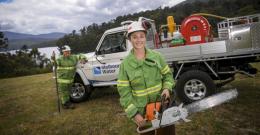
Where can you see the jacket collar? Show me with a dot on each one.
(149, 59)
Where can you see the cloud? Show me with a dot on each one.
(35, 17)
(171, 3)
(6, 24)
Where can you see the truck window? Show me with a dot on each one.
(113, 43)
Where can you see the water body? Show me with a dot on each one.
(47, 51)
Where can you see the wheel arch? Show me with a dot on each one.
(81, 75)
(181, 68)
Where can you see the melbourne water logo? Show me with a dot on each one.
(97, 70)
(105, 69)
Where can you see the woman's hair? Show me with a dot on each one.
(129, 35)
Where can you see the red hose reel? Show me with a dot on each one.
(196, 29)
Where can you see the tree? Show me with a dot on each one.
(24, 48)
(3, 40)
(23, 63)
(34, 53)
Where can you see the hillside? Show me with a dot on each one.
(14, 35)
(31, 43)
(17, 40)
(28, 106)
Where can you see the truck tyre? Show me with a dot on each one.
(79, 92)
(194, 85)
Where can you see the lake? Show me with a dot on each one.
(47, 51)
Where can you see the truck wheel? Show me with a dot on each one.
(194, 85)
(79, 92)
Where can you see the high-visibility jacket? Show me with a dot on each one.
(66, 68)
(141, 81)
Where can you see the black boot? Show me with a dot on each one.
(68, 105)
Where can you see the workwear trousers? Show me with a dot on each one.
(64, 92)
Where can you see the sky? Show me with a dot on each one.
(45, 16)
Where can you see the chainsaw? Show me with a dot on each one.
(179, 114)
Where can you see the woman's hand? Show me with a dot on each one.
(166, 93)
(139, 120)
(83, 61)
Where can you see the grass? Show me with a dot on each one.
(28, 107)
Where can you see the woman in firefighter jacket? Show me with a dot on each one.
(144, 77)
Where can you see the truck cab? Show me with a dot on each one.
(102, 68)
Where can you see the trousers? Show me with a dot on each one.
(64, 92)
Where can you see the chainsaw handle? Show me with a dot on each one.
(163, 105)
(163, 97)
(145, 128)
(144, 131)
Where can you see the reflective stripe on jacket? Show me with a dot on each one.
(66, 81)
(66, 67)
(142, 81)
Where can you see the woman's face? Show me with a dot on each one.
(138, 39)
(66, 53)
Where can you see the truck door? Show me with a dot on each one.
(109, 55)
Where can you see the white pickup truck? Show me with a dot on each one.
(196, 68)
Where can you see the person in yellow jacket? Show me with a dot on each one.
(143, 77)
(66, 69)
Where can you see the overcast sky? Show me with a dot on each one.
(44, 16)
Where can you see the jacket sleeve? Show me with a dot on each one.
(167, 77)
(125, 92)
(81, 56)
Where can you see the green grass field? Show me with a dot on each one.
(28, 107)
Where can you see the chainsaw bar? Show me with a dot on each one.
(212, 101)
(178, 114)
